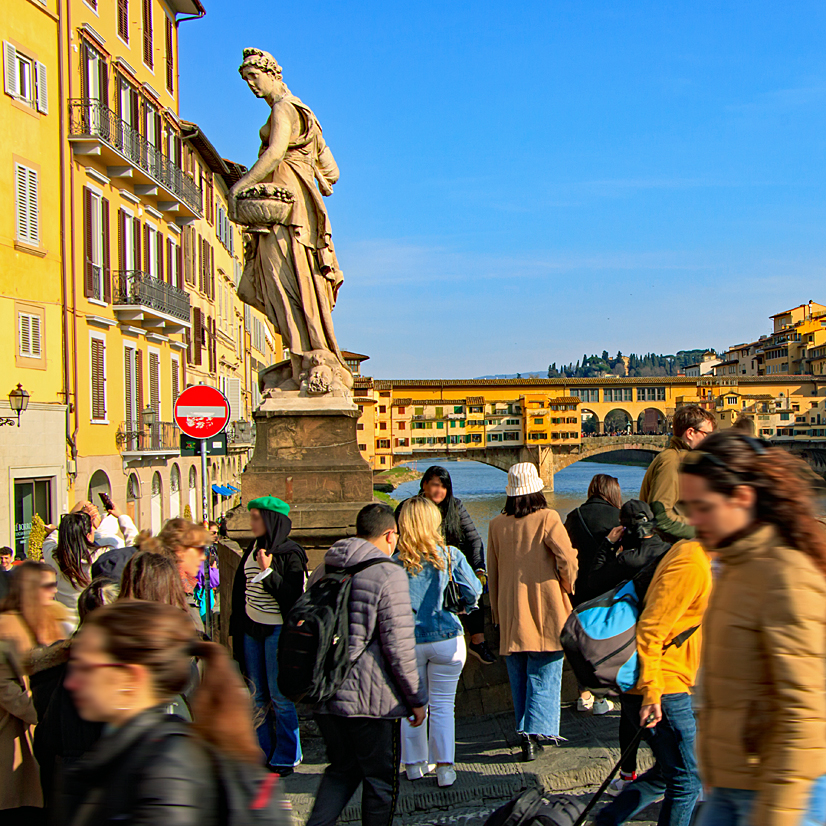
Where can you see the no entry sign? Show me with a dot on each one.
(202, 411)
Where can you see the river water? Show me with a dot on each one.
(482, 487)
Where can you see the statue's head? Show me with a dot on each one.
(261, 71)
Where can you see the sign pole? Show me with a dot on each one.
(205, 517)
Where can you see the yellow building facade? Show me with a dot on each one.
(31, 269)
(118, 265)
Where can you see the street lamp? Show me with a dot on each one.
(18, 401)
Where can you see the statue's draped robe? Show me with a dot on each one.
(293, 275)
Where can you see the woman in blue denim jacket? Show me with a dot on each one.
(440, 642)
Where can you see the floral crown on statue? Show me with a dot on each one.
(259, 59)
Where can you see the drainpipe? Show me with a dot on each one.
(67, 242)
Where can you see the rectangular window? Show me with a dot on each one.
(130, 388)
(588, 395)
(25, 79)
(458, 408)
(28, 204)
(170, 59)
(155, 382)
(401, 411)
(650, 394)
(148, 44)
(29, 338)
(123, 20)
(31, 496)
(98, 383)
(97, 276)
(539, 421)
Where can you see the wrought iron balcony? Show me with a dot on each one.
(138, 437)
(139, 296)
(89, 119)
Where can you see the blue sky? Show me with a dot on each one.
(523, 183)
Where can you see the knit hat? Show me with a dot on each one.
(523, 479)
(269, 503)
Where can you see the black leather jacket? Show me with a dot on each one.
(147, 772)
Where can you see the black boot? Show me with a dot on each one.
(530, 748)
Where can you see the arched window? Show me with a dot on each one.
(175, 492)
(98, 483)
(156, 504)
(133, 498)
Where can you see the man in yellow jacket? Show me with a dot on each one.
(660, 487)
(668, 645)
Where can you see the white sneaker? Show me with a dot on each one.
(446, 775)
(618, 784)
(603, 706)
(416, 771)
(585, 705)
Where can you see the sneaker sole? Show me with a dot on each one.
(479, 657)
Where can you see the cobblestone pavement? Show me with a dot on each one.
(489, 771)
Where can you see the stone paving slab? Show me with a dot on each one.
(489, 770)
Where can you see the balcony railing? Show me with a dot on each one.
(91, 118)
(157, 437)
(138, 288)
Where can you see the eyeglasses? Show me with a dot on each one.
(704, 432)
(75, 668)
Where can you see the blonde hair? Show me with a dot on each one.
(420, 535)
(178, 533)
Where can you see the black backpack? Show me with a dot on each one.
(314, 650)
(533, 808)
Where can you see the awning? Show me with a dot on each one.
(234, 489)
(224, 491)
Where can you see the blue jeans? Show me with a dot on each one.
(732, 807)
(674, 775)
(536, 686)
(278, 731)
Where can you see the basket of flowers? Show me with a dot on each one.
(263, 205)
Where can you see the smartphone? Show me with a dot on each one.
(108, 504)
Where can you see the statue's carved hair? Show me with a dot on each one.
(259, 59)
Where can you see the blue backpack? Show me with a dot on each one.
(600, 638)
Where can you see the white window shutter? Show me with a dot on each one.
(22, 191)
(42, 89)
(37, 350)
(10, 65)
(25, 334)
(34, 211)
(234, 397)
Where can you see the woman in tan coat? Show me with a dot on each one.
(762, 716)
(531, 571)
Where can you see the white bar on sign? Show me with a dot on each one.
(205, 412)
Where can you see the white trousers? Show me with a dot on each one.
(440, 666)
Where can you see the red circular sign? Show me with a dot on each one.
(202, 411)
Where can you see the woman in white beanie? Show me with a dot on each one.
(532, 568)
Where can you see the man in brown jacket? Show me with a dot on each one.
(660, 487)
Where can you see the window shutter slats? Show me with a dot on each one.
(10, 64)
(121, 239)
(197, 333)
(123, 19)
(98, 380)
(148, 48)
(128, 385)
(36, 345)
(139, 381)
(154, 383)
(178, 267)
(176, 382)
(170, 64)
(25, 346)
(42, 89)
(136, 241)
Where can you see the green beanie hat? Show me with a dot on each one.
(269, 503)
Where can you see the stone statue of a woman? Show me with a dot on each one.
(290, 271)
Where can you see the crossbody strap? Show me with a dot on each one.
(584, 525)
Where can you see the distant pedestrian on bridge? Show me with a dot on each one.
(460, 532)
(660, 487)
(532, 569)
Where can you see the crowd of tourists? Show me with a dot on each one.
(117, 706)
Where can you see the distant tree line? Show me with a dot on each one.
(633, 366)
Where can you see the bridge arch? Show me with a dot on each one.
(618, 421)
(590, 423)
(652, 422)
(549, 459)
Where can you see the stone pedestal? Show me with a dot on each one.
(306, 453)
